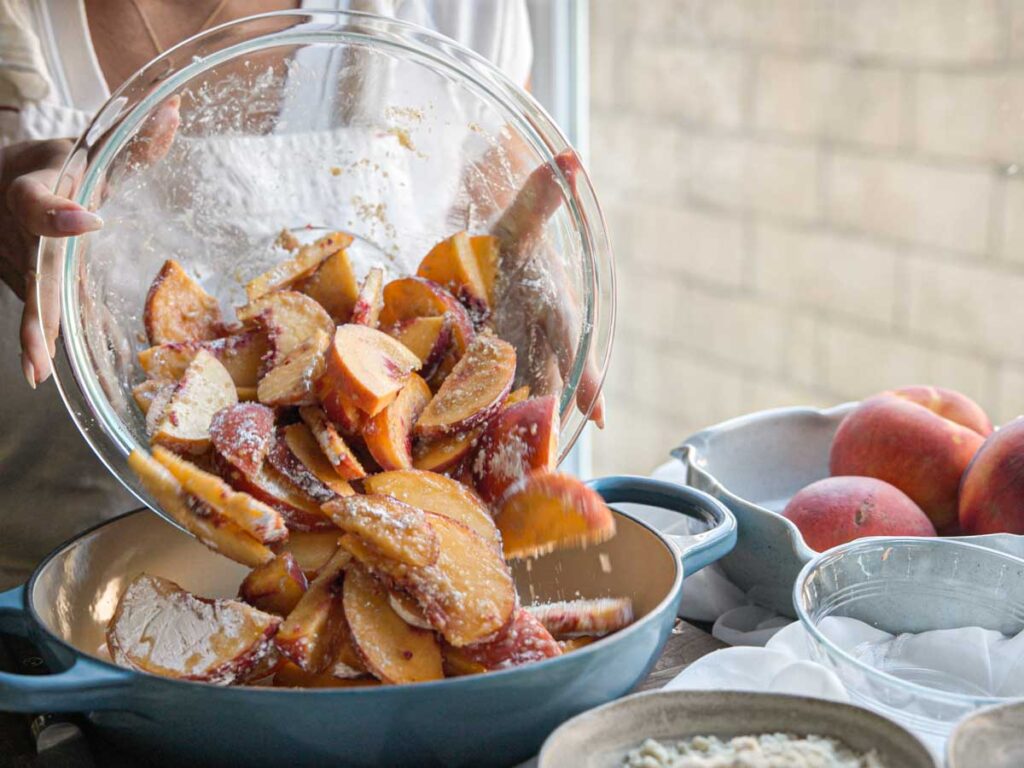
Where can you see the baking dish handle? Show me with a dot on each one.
(698, 550)
(86, 685)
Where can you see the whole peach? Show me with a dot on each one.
(992, 491)
(840, 509)
(900, 438)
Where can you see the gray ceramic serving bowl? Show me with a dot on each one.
(601, 737)
(754, 464)
(990, 738)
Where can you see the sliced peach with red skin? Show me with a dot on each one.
(160, 628)
(523, 641)
(289, 318)
(408, 609)
(391, 649)
(366, 367)
(293, 380)
(308, 636)
(452, 263)
(442, 454)
(242, 434)
(488, 260)
(546, 511)
(388, 435)
(178, 309)
(333, 286)
(300, 511)
(220, 535)
(521, 440)
(311, 549)
(149, 390)
(306, 261)
(342, 412)
(596, 617)
(474, 391)
(304, 447)
(346, 464)
(205, 388)
(429, 338)
(284, 460)
(411, 297)
(259, 520)
(438, 494)
(398, 531)
(241, 354)
(347, 663)
(370, 301)
(275, 587)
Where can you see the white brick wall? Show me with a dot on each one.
(810, 201)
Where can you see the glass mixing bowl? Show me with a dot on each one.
(307, 121)
(913, 585)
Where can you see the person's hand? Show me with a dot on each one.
(31, 207)
(536, 309)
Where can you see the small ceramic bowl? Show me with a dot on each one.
(990, 738)
(602, 737)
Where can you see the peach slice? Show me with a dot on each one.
(160, 628)
(488, 259)
(242, 434)
(397, 531)
(346, 464)
(575, 643)
(259, 520)
(411, 297)
(438, 494)
(521, 440)
(347, 662)
(393, 651)
(293, 380)
(444, 453)
(467, 595)
(218, 534)
(205, 388)
(544, 512)
(517, 395)
(157, 406)
(298, 474)
(241, 354)
(457, 662)
(178, 309)
(342, 412)
(452, 263)
(366, 367)
(289, 675)
(304, 447)
(333, 286)
(308, 636)
(408, 609)
(150, 391)
(311, 549)
(573, 618)
(366, 310)
(275, 587)
(289, 317)
(474, 391)
(306, 261)
(523, 641)
(429, 338)
(388, 435)
(300, 511)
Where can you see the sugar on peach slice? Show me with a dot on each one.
(452, 263)
(289, 675)
(370, 301)
(242, 434)
(474, 391)
(429, 338)
(178, 309)
(488, 260)
(308, 635)
(160, 628)
(333, 286)
(445, 453)
(203, 390)
(523, 640)
(289, 318)
(388, 435)
(520, 440)
(408, 609)
(436, 493)
(594, 617)
(293, 380)
(304, 447)
(259, 520)
(346, 464)
(467, 595)
(275, 587)
(398, 531)
(391, 649)
(220, 535)
(241, 354)
(305, 262)
(151, 390)
(340, 410)
(547, 511)
(311, 550)
(366, 367)
(411, 297)
(300, 511)
(298, 474)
